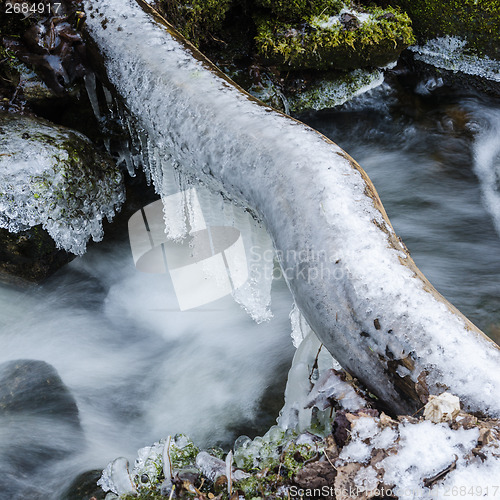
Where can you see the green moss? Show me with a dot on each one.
(294, 457)
(185, 456)
(298, 9)
(476, 20)
(196, 19)
(376, 42)
(263, 486)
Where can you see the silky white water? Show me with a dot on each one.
(138, 367)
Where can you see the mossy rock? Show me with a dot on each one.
(476, 20)
(196, 19)
(299, 9)
(29, 256)
(343, 42)
(55, 177)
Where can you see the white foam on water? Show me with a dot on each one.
(487, 160)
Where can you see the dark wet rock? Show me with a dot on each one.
(84, 487)
(35, 388)
(39, 426)
(51, 44)
(29, 256)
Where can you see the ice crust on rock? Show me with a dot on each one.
(449, 52)
(327, 94)
(354, 280)
(52, 176)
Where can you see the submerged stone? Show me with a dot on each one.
(346, 41)
(35, 388)
(39, 426)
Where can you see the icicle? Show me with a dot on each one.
(90, 85)
(229, 473)
(309, 362)
(300, 327)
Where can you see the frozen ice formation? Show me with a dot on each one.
(351, 277)
(116, 478)
(214, 467)
(53, 176)
(450, 52)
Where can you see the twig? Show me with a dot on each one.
(171, 492)
(329, 461)
(431, 480)
(418, 411)
(315, 365)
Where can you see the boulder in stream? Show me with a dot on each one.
(477, 21)
(39, 426)
(34, 387)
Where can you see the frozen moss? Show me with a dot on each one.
(476, 20)
(183, 452)
(349, 41)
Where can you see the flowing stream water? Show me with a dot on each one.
(140, 369)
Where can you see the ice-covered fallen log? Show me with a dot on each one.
(350, 275)
(54, 176)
